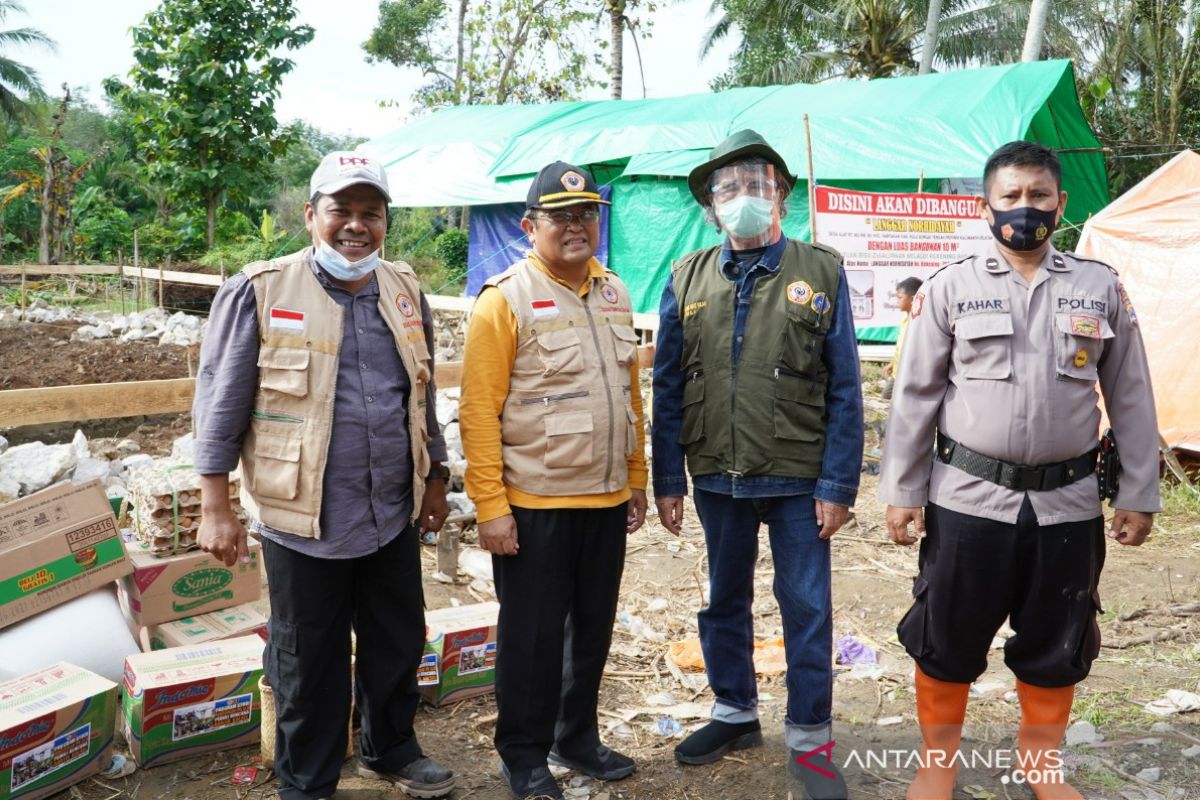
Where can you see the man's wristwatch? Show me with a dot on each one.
(438, 472)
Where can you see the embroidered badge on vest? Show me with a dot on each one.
(289, 320)
(544, 309)
(608, 293)
(799, 292)
(405, 305)
(820, 303)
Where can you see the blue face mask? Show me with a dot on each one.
(746, 216)
(343, 268)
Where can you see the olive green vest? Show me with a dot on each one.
(766, 416)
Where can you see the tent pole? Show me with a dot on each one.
(921, 180)
(812, 192)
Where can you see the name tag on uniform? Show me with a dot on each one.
(286, 319)
(544, 309)
(981, 305)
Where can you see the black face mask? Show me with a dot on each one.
(1025, 228)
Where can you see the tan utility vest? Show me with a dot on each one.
(300, 336)
(568, 427)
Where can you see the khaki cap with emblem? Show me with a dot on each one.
(562, 184)
(742, 144)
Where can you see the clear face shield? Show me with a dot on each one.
(744, 198)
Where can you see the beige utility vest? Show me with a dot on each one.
(300, 336)
(568, 427)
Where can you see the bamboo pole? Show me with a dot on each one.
(812, 188)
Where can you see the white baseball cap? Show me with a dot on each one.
(343, 168)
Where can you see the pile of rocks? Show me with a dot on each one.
(27, 468)
(149, 325)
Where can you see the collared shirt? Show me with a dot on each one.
(367, 486)
(1009, 369)
(899, 345)
(842, 461)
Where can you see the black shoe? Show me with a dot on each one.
(716, 739)
(817, 776)
(536, 784)
(423, 778)
(602, 764)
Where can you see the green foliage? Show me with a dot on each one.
(202, 95)
(501, 51)
(16, 79)
(103, 231)
(452, 249)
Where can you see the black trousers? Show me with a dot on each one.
(558, 599)
(974, 572)
(314, 604)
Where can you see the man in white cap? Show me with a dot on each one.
(317, 374)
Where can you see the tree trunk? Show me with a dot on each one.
(1036, 30)
(211, 218)
(458, 63)
(47, 208)
(616, 64)
(929, 48)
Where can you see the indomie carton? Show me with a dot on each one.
(55, 545)
(56, 727)
(460, 653)
(165, 589)
(187, 700)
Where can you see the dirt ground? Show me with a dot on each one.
(1150, 626)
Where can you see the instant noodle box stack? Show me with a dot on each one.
(165, 500)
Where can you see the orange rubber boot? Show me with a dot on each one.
(941, 709)
(1044, 717)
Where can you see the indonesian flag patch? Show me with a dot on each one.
(544, 309)
(288, 320)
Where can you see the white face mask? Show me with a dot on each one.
(343, 268)
(745, 216)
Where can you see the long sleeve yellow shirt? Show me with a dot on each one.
(490, 352)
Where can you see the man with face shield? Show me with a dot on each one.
(756, 385)
(316, 374)
(1004, 352)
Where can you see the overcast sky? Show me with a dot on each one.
(332, 86)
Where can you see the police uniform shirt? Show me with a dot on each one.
(1009, 368)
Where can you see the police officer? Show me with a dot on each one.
(756, 381)
(551, 419)
(1004, 352)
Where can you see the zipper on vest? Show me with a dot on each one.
(276, 416)
(790, 373)
(695, 375)
(612, 428)
(552, 398)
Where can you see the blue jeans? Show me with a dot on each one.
(802, 589)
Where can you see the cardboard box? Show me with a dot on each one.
(241, 620)
(55, 545)
(460, 653)
(56, 727)
(187, 700)
(166, 589)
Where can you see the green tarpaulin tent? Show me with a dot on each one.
(872, 135)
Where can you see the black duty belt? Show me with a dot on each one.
(1018, 477)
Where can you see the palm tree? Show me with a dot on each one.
(16, 79)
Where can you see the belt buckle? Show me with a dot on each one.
(1024, 479)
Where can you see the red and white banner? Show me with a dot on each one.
(887, 237)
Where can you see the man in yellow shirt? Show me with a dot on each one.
(906, 290)
(551, 419)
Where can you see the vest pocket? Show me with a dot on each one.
(983, 346)
(1079, 343)
(692, 429)
(803, 341)
(625, 344)
(284, 370)
(277, 464)
(569, 439)
(560, 351)
(799, 407)
(630, 431)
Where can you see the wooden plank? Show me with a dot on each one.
(445, 302)
(448, 374)
(58, 269)
(173, 276)
(95, 401)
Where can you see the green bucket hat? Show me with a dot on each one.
(738, 145)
